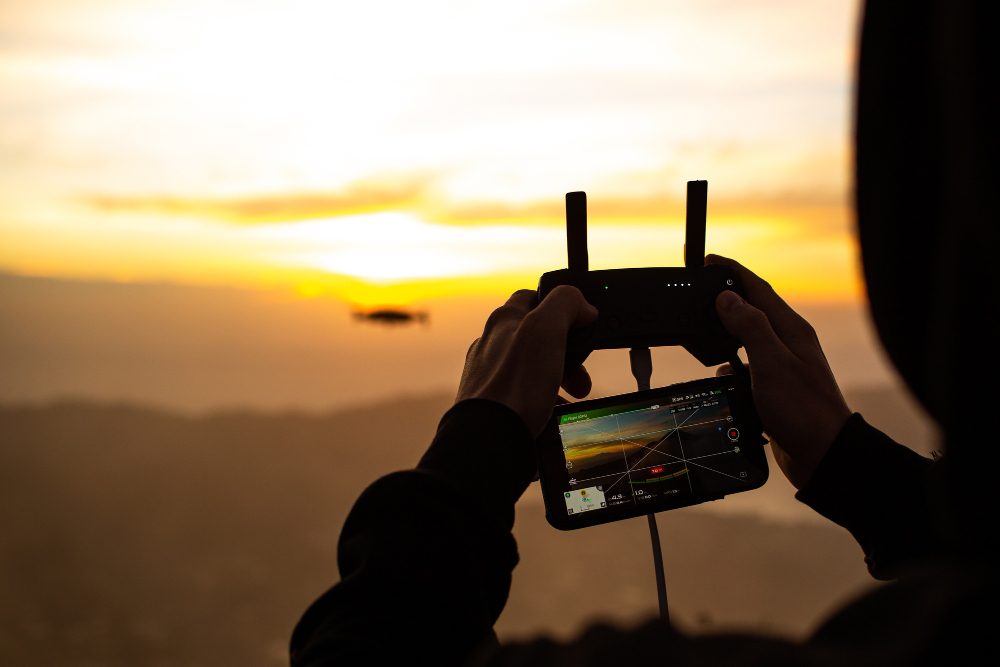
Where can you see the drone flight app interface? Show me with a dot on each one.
(635, 453)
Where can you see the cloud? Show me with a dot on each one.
(819, 211)
(364, 196)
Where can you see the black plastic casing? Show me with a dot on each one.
(554, 476)
(650, 307)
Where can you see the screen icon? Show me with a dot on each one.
(583, 500)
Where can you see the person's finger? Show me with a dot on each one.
(539, 344)
(564, 308)
(579, 384)
(760, 293)
(751, 326)
(726, 370)
(790, 327)
(508, 316)
(523, 300)
(472, 349)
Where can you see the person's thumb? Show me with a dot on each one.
(748, 324)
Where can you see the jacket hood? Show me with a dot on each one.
(927, 191)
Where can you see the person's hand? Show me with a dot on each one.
(794, 389)
(518, 361)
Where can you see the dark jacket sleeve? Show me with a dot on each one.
(883, 493)
(426, 555)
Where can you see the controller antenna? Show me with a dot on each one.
(694, 232)
(576, 231)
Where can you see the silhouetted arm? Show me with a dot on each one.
(881, 492)
(426, 555)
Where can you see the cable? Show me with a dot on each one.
(661, 582)
(739, 369)
(641, 362)
(642, 366)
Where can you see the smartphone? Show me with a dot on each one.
(624, 456)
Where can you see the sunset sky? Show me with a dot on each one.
(197, 198)
(393, 152)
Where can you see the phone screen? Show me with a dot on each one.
(652, 450)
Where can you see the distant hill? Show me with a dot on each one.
(198, 349)
(135, 536)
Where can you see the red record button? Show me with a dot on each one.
(733, 434)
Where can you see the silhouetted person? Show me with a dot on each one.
(426, 555)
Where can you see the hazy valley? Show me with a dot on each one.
(197, 533)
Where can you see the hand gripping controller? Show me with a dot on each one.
(648, 307)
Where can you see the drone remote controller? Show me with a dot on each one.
(648, 307)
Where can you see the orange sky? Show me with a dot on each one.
(392, 152)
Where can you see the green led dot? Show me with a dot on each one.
(605, 287)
